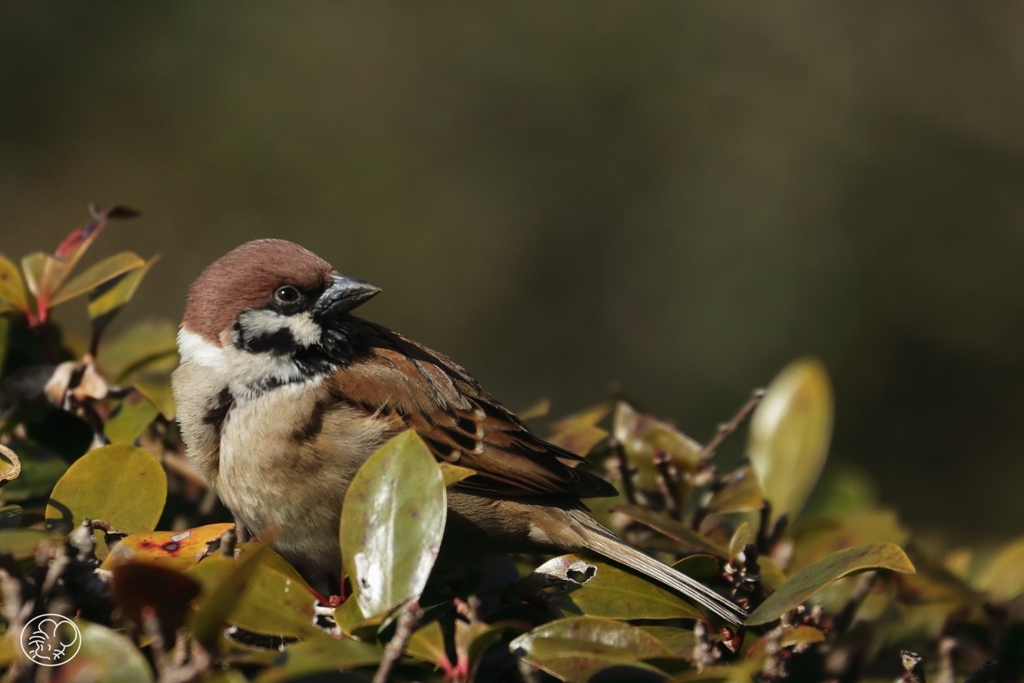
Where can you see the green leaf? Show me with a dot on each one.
(122, 485)
(391, 530)
(809, 580)
(130, 419)
(643, 437)
(137, 349)
(453, 474)
(816, 538)
(35, 267)
(22, 543)
(224, 591)
(597, 589)
(321, 654)
(739, 493)
(158, 391)
(790, 433)
(99, 273)
(673, 529)
(1003, 578)
(427, 643)
(107, 656)
(106, 300)
(679, 640)
(12, 289)
(576, 649)
(275, 599)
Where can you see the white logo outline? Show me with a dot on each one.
(41, 639)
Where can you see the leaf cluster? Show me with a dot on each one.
(104, 520)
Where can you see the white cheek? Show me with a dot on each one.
(263, 322)
(241, 372)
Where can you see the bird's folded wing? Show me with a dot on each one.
(398, 379)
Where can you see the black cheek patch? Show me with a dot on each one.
(278, 343)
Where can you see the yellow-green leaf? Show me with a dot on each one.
(739, 493)
(138, 349)
(35, 266)
(22, 543)
(321, 654)
(99, 273)
(223, 591)
(809, 580)
(105, 655)
(158, 391)
(12, 289)
(453, 474)
(790, 433)
(538, 409)
(576, 649)
(391, 530)
(1003, 578)
(427, 643)
(122, 485)
(275, 599)
(644, 437)
(106, 300)
(673, 529)
(595, 588)
(130, 419)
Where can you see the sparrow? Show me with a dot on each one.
(282, 394)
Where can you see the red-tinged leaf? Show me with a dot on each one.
(178, 550)
(12, 288)
(99, 273)
(75, 244)
(809, 580)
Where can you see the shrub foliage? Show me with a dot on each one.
(105, 521)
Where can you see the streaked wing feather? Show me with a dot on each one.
(459, 421)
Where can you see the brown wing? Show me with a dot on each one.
(458, 420)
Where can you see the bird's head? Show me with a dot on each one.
(267, 297)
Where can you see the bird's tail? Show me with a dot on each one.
(603, 542)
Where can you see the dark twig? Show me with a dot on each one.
(625, 470)
(668, 484)
(726, 429)
(407, 622)
(913, 664)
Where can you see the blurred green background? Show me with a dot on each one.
(679, 197)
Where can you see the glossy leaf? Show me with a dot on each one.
(809, 580)
(12, 288)
(130, 419)
(1003, 578)
(98, 274)
(107, 300)
(179, 550)
(598, 589)
(34, 267)
(576, 649)
(814, 539)
(105, 655)
(10, 465)
(135, 586)
(321, 654)
(427, 643)
(790, 433)
(275, 599)
(391, 524)
(223, 591)
(137, 349)
(122, 485)
(673, 529)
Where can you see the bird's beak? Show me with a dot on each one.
(345, 294)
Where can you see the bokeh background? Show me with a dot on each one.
(679, 197)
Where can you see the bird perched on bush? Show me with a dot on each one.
(282, 394)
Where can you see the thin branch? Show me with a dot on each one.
(668, 484)
(726, 429)
(625, 470)
(407, 622)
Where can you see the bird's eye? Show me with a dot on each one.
(286, 294)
